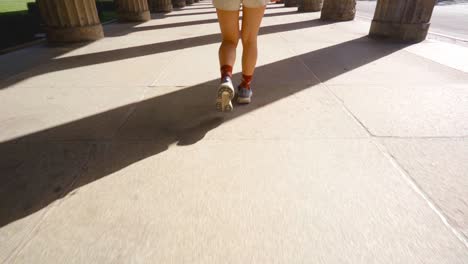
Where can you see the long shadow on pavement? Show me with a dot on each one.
(181, 24)
(269, 7)
(71, 62)
(13, 70)
(39, 168)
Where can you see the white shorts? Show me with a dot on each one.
(234, 5)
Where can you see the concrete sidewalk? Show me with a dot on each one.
(353, 151)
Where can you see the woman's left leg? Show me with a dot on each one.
(251, 20)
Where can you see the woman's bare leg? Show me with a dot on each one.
(251, 20)
(229, 24)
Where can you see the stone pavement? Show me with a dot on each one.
(353, 151)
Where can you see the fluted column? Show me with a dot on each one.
(133, 10)
(338, 10)
(70, 20)
(160, 6)
(309, 5)
(179, 3)
(404, 20)
(290, 3)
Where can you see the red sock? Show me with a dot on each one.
(246, 80)
(226, 71)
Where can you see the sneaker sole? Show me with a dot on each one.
(224, 99)
(244, 100)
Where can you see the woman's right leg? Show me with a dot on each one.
(229, 24)
(251, 20)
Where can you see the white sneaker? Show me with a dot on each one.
(225, 95)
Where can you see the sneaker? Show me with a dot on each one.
(244, 95)
(225, 95)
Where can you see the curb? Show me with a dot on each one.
(447, 38)
(433, 35)
(22, 46)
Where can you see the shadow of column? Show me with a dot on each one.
(53, 65)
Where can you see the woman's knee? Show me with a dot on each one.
(231, 41)
(249, 41)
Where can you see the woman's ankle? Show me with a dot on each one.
(246, 81)
(226, 71)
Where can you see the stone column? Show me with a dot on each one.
(178, 3)
(338, 10)
(404, 20)
(309, 5)
(189, 2)
(70, 20)
(133, 10)
(290, 3)
(160, 6)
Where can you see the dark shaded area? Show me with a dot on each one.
(19, 27)
(37, 169)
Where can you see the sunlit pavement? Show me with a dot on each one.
(353, 151)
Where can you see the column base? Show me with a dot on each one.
(135, 17)
(305, 10)
(162, 9)
(336, 16)
(179, 3)
(398, 31)
(290, 3)
(75, 34)
(314, 6)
